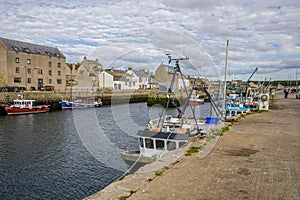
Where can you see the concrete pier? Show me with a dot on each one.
(258, 158)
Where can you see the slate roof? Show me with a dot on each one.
(140, 73)
(19, 46)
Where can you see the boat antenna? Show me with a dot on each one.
(225, 76)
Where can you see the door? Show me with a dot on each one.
(40, 83)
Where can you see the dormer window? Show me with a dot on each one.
(15, 48)
(48, 53)
(26, 50)
(57, 55)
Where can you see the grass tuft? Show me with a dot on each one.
(193, 150)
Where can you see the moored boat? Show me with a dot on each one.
(79, 103)
(24, 106)
(153, 144)
(165, 134)
(195, 100)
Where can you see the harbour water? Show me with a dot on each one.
(69, 154)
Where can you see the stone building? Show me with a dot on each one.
(31, 66)
(84, 76)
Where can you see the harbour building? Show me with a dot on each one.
(31, 66)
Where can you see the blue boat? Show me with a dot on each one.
(69, 105)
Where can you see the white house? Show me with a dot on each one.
(143, 78)
(106, 80)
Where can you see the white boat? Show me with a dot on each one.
(165, 134)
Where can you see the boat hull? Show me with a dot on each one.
(65, 105)
(196, 102)
(135, 160)
(22, 111)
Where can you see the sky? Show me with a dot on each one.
(123, 33)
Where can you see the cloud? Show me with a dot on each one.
(259, 32)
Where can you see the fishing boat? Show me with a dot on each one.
(167, 133)
(196, 100)
(80, 103)
(24, 106)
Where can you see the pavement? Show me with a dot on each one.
(258, 158)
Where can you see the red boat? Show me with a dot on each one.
(195, 100)
(22, 106)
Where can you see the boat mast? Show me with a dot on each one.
(225, 76)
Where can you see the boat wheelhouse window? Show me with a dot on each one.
(181, 144)
(171, 145)
(149, 143)
(141, 142)
(160, 144)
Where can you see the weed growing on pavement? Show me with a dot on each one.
(126, 197)
(193, 150)
(158, 173)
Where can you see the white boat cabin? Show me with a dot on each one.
(155, 144)
(21, 103)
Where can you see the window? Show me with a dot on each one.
(171, 145)
(50, 64)
(48, 53)
(58, 73)
(141, 142)
(49, 81)
(160, 144)
(17, 70)
(17, 80)
(17, 60)
(181, 144)
(58, 81)
(28, 61)
(49, 72)
(140, 79)
(81, 72)
(28, 71)
(28, 80)
(133, 83)
(149, 143)
(58, 65)
(40, 72)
